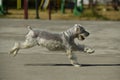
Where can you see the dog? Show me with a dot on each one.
(55, 41)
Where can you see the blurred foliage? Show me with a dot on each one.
(97, 12)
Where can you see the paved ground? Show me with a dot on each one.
(39, 64)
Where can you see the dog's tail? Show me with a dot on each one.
(29, 28)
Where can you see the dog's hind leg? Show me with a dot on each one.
(15, 48)
(18, 45)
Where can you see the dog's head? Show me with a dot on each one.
(80, 32)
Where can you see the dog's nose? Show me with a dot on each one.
(87, 34)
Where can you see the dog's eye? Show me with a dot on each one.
(82, 30)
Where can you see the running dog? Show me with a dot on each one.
(55, 41)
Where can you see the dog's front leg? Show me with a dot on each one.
(84, 48)
(72, 58)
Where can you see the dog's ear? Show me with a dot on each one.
(29, 28)
(77, 28)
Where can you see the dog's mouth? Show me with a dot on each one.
(81, 37)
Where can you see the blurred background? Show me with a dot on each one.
(61, 9)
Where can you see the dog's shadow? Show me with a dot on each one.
(82, 65)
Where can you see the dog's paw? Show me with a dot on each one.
(76, 65)
(10, 52)
(14, 52)
(89, 50)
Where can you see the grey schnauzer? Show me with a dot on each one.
(55, 41)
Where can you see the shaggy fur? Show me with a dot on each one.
(58, 41)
